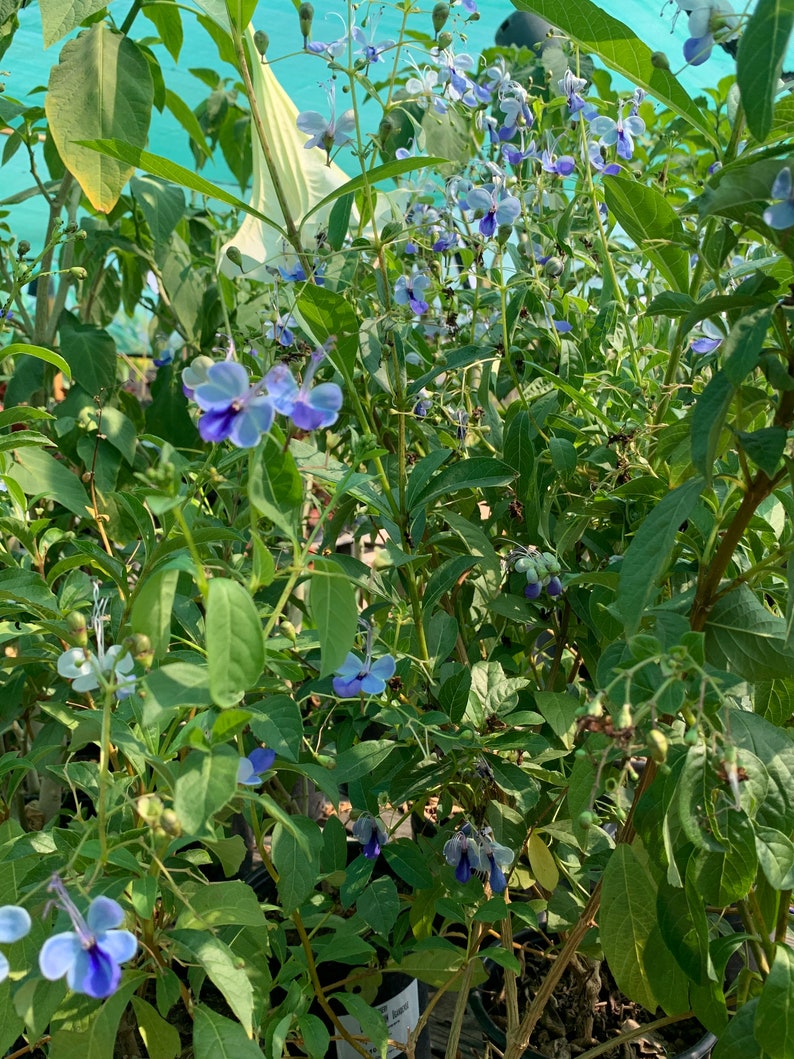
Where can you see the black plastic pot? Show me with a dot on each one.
(479, 1007)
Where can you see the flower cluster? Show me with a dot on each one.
(90, 956)
(236, 408)
(709, 21)
(541, 570)
(89, 670)
(475, 852)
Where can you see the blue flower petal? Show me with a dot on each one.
(103, 914)
(251, 423)
(780, 216)
(346, 689)
(58, 954)
(384, 668)
(119, 945)
(262, 759)
(282, 389)
(14, 923)
(351, 666)
(94, 973)
(216, 425)
(227, 381)
(4, 968)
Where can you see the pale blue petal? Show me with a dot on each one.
(227, 382)
(73, 663)
(14, 923)
(119, 945)
(780, 216)
(58, 954)
(351, 666)
(384, 668)
(781, 189)
(479, 199)
(4, 968)
(103, 914)
(282, 388)
(372, 684)
(312, 122)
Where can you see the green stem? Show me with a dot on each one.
(201, 577)
(104, 771)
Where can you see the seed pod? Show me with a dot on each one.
(554, 267)
(587, 819)
(444, 39)
(286, 628)
(440, 16)
(150, 808)
(77, 272)
(261, 43)
(625, 720)
(658, 745)
(78, 628)
(660, 60)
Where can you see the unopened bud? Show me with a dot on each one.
(286, 628)
(261, 43)
(234, 256)
(440, 16)
(660, 60)
(306, 17)
(171, 823)
(150, 808)
(474, 17)
(23, 247)
(658, 745)
(78, 628)
(444, 39)
(554, 267)
(140, 647)
(625, 720)
(77, 272)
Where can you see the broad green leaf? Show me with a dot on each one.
(333, 608)
(444, 578)
(649, 552)
(277, 722)
(738, 1041)
(742, 636)
(776, 857)
(378, 905)
(441, 634)
(216, 1037)
(722, 878)
(316, 1039)
(480, 472)
(541, 861)
(600, 34)
(275, 488)
(775, 748)
(363, 1018)
(421, 473)
(168, 21)
(649, 219)
(628, 917)
(97, 1035)
(764, 447)
(151, 611)
(235, 645)
(685, 931)
(668, 982)
(339, 221)
(774, 1017)
(91, 354)
(224, 971)
(742, 348)
(774, 700)
(435, 966)
(363, 758)
(762, 48)
(101, 88)
(15, 349)
(297, 863)
(135, 157)
(329, 314)
(59, 17)
(408, 863)
(518, 451)
(161, 1039)
(207, 782)
(40, 475)
(173, 686)
(213, 905)
(162, 204)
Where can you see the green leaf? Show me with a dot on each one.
(235, 645)
(563, 456)
(90, 353)
(207, 782)
(738, 1041)
(275, 488)
(59, 18)
(15, 349)
(332, 604)
(162, 204)
(40, 475)
(619, 47)
(742, 348)
(363, 1018)
(173, 686)
(135, 157)
(277, 722)
(649, 552)
(211, 905)
(168, 22)
(363, 758)
(775, 748)
(444, 578)
(774, 1017)
(743, 637)
(649, 219)
(479, 472)
(223, 969)
(101, 88)
(408, 863)
(762, 49)
(316, 1039)
(151, 611)
(339, 221)
(722, 878)
(434, 966)
(518, 451)
(379, 905)
(328, 314)
(776, 857)
(774, 700)
(628, 917)
(96, 1037)
(297, 862)
(216, 1037)
(764, 447)
(161, 1039)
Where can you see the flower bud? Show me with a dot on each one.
(77, 272)
(533, 590)
(587, 819)
(171, 823)
(625, 720)
(658, 745)
(554, 267)
(78, 628)
(234, 256)
(554, 587)
(23, 247)
(444, 40)
(288, 630)
(261, 43)
(660, 60)
(306, 17)
(440, 16)
(150, 808)
(140, 647)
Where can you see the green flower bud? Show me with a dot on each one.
(171, 823)
(78, 628)
(440, 16)
(444, 39)
(554, 267)
(150, 808)
(140, 647)
(77, 272)
(305, 18)
(625, 720)
(234, 256)
(660, 60)
(587, 819)
(261, 43)
(287, 629)
(23, 247)
(658, 745)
